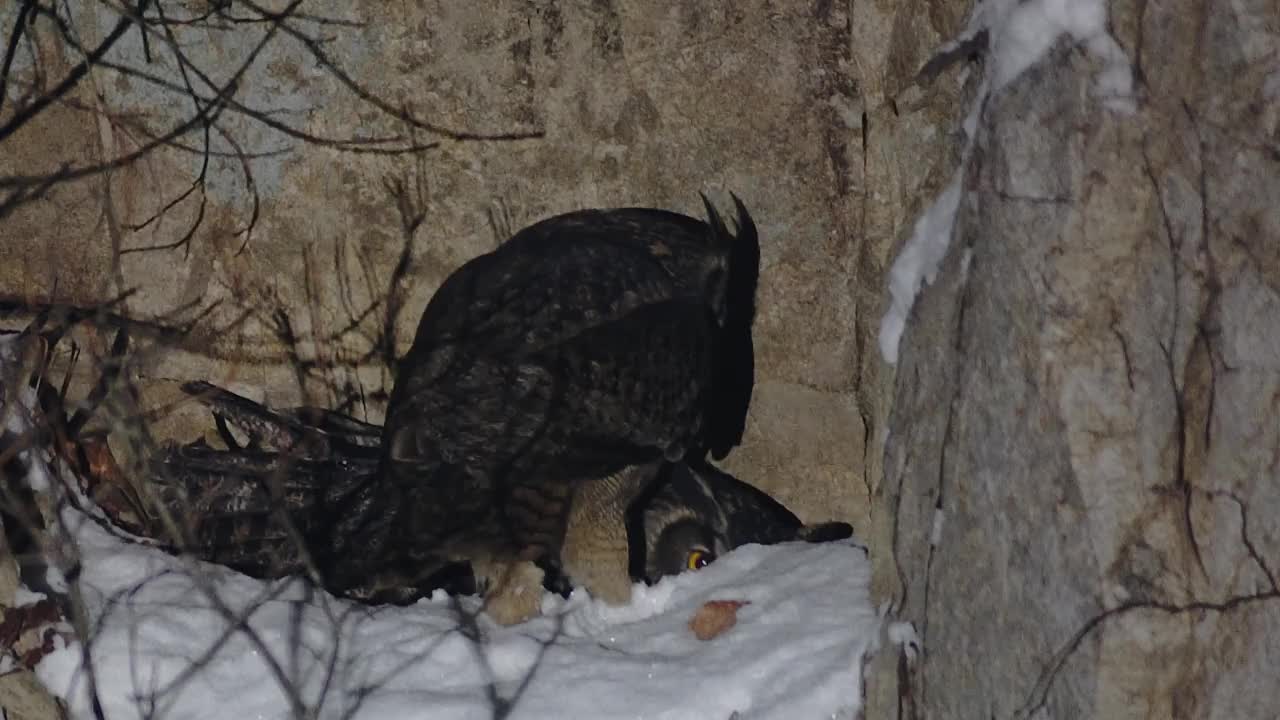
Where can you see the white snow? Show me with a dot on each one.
(54, 578)
(168, 641)
(904, 634)
(917, 264)
(23, 597)
(795, 652)
(935, 534)
(1020, 33)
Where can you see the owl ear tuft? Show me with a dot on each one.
(720, 236)
(746, 226)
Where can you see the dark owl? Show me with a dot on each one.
(548, 383)
(691, 515)
(257, 505)
(697, 512)
(266, 506)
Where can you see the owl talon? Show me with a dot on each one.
(613, 588)
(602, 572)
(516, 593)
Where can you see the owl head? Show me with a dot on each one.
(684, 544)
(696, 513)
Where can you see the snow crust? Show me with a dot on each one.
(796, 651)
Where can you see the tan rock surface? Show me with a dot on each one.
(806, 111)
(635, 103)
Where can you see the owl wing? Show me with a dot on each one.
(568, 274)
(735, 361)
(584, 344)
(249, 509)
(522, 430)
(548, 283)
(702, 260)
(753, 516)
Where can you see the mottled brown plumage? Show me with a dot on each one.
(697, 512)
(248, 508)
(571, 361)
(548, 383)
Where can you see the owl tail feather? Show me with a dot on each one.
(825, 532)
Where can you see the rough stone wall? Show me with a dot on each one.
(807, 111)
(1089, 393)
(1090, 398)
(1091, 404)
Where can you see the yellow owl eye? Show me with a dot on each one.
(698, 559)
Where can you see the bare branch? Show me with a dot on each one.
(23, 116)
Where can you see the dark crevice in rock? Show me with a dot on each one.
(1168, 349)
(948, 439)
(1244, 535)
(1124, 347)
(904, 587)
(835, 85)
(1038, 697)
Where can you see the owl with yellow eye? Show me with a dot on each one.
(693, 514)
(696, 513)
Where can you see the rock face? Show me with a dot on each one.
(286, 259)
(281, 256)
(1084, 409)
(1087, 398)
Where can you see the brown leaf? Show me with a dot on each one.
(102, 480)
(29, 632)
(714, 617)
